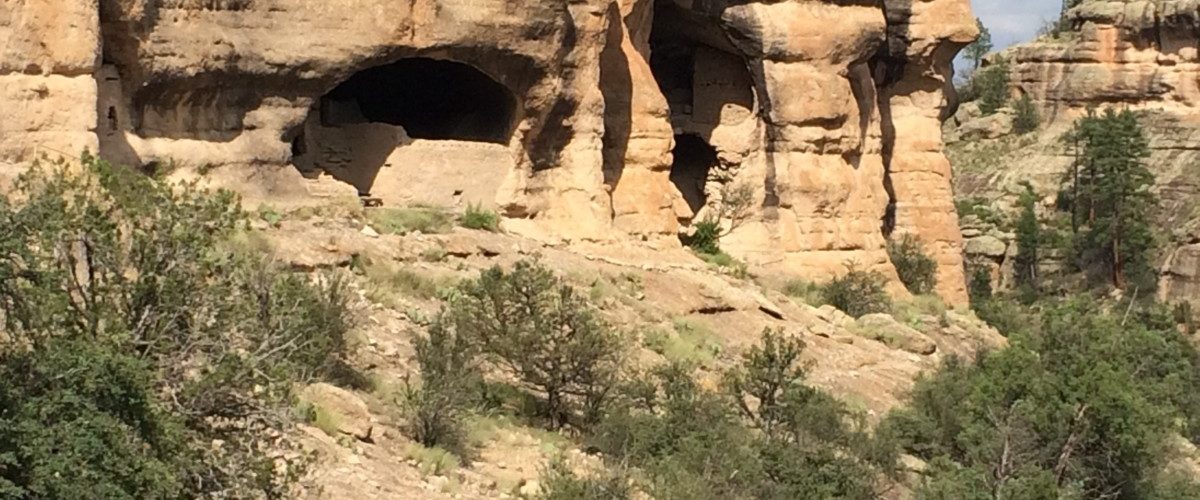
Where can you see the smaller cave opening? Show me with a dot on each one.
(693, 159)
(429, 98)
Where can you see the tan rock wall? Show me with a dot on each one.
(48, 55)
(827, 110)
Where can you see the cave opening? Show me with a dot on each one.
(429, 98)
(694, 157)
(707, 84)
(371, 119)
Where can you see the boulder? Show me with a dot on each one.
(987, 246)
(348, 414)
(884, 328)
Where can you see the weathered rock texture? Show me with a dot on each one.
(589, 119)
(1141, 52)
(1124, 54)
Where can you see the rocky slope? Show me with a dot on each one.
(1129, 54)
(668, 306)
(589, 120)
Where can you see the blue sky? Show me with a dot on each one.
(1013, 21)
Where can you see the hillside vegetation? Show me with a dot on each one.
(153, 348)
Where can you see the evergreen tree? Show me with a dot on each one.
(991, 86)
(1027, 119)
(1112, 202)
(1028, 241)
(976, 51)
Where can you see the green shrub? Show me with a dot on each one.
(478, 218)
(690, 343)
(536, 327)
(1071, 405)
(917, 270)
(558, 482)
(437, 405)
(1026, 118)
(137, 287)
(725, 263)
(991, 87)
(808, 292)
(979, 288)
(766, 436)
(80, 420)
(428, 220)
(389, 281)
(706, 238)
(858, 292)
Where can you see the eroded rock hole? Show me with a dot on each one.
(693, 159)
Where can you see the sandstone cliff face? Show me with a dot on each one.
(581, 120)
(1138, 52)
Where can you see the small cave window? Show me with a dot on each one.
(429, 98)
(694, 158)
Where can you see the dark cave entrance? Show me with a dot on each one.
(706, 82)
(430, 98)
(353, 129)
(693, 159)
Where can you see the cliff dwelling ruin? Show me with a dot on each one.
(364, 124)
(707, 85)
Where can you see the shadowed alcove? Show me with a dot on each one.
(693, 158)
(707, 85)
(459, 116)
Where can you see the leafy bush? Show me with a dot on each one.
(173, 336)
(706, 238)
(768, 435)
(979, 288)
(478, 218)
(917, 270)
(690, 344)
(558, 482)
(858, 292)
(1073, 408)
(437, 405)
(808, 292)
(730, 210)
(536, 327)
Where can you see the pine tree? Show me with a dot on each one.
(1026, 117)
(1112, 201)
(991, 85)
(1028, 241)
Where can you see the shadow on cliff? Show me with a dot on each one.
(616, 85)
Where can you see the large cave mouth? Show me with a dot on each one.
(386, 128)
(429, 98)
(693, 159)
